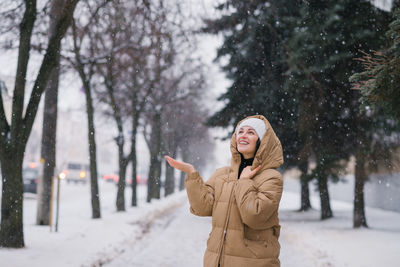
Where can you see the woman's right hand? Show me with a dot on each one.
(180, 165)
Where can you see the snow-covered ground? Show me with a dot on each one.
(334, 242)
(164, 233)
(80, 240)
(180, 239)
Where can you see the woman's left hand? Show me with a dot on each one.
(248, 173)
(180, 165)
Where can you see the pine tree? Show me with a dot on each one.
(255, 35)
(256, 38)
(327, 38)
(380, 81)
(290, 61)
(378, 84)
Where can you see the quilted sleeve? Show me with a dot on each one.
(257, 204)
(200, 193)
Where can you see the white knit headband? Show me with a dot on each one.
(257, 124)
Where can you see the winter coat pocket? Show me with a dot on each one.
(258, 248)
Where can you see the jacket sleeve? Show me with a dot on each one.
(256, 205)
(200, 194)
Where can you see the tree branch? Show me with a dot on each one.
(26, 28)
(47, 65)
(4, 127)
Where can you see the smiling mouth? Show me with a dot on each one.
(243, 143)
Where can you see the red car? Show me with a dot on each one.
(111, 178)
(114, 178)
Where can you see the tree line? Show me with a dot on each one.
(136, 59)
(325, 75)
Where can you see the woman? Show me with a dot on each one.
(243, 199)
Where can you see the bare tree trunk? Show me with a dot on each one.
(170, 177)
(305, 192)
(183, 175)
(150, 181)
(158, 141)
(85, 79)
(120, 140)
(326, 211)
(13, 137)
(94, 187)
(134, 160)
(49, 131)
(154, 179)
(12, 146)
(48, 149)
(123, 163)
(182, 181)
(359, 218)
(11, 234)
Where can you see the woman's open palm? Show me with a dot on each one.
(180, 165)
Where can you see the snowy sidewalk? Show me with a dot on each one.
(179, 239)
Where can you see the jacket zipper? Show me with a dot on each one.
(219, 261)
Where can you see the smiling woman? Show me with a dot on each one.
(246, 140)
(243, 198)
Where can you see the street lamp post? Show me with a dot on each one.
(59, 177)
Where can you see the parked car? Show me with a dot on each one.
(75, 172)
(111, 178)
(141, 180)
(31, 178)
(128, 181)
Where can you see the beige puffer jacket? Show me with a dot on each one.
(245, 224)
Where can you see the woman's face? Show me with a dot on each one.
(246, 141)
